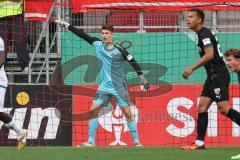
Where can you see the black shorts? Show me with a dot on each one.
(216, 87)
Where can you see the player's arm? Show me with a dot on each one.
(129, 58)
(208, 56)
(2, 58)
(77, 31)
(2, 53)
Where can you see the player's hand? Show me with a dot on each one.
(187, 72)
(62, 22)
(144, 83)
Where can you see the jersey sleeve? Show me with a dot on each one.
(126, 56)
(97, 45)
(206, 39)
(129, 58)
(82, 34)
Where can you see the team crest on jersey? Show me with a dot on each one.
(217, 92)
(112, 53)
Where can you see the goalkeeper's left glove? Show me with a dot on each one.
(62, 22)
(144, 83)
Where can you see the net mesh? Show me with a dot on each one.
(156, 34)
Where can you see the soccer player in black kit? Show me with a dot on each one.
(218, 78)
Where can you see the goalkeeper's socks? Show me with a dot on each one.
(234, 116)
(14, 127)
(202, 123)
(132, 126)
(92, 129)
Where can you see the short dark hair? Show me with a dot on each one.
(199, 12)
(108, 27)
(234, 52)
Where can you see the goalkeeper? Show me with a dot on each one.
(113, 79)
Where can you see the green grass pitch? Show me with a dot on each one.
(116, 153)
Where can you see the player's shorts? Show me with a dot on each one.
(217, 87)
(120, 94)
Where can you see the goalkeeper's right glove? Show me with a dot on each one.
(62, 22)
(144, 83)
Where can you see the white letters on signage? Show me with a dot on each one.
(189, 123)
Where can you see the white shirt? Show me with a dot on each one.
(3, 77)
(1, 45)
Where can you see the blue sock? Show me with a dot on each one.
(92, 129)
(132, 126)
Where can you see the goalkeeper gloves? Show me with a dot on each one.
(144, 83)
(62, 22)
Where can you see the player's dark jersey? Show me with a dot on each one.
(239, 77)
(206, 38)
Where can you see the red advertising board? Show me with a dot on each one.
(167, 119)
(81, 6)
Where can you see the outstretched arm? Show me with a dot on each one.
(82, 34)
(129, 58)
(77, 31)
